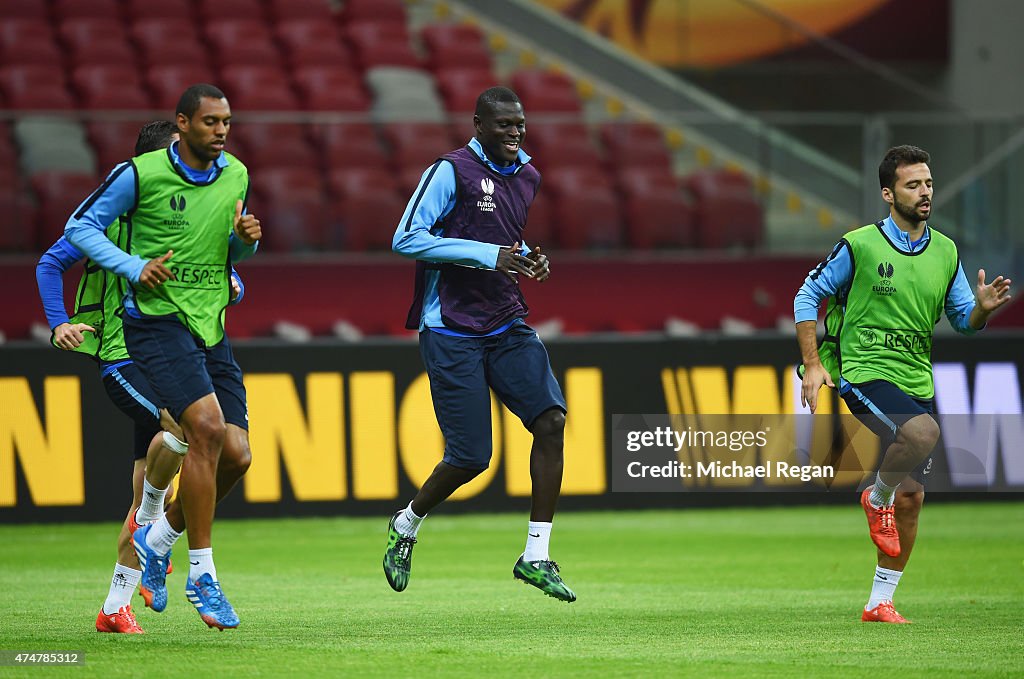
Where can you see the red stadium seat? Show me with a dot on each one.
(273, 145)
(539, 221)
(726, 211)
(215, 11)
(658, 218)
(300, 183)
(257, 88)
(19, 231)
(455, 46)
(460, 87)
(545, 92)
(35, 87)
(350, 145)
(162, 41)
(100, 41)
(64, 10)
(386, 54)
(138, 10)
(58, 194)
(154, 54)
(635, 145)
(312, 42)
(446, 35)
(28, 42)
(114, 140)
(373, 10)
(368, 221)
(242, 42)
(381, 44)
(640, 180)
(550, 137)
(299, 225)
(109, 87)
(326, 88)
(570, 152)
(292, 199)
(354, 181)
(586, 209)
(11, 10)
(90, 31)
(168, 82)
(115, 51)
(414, 146)
(287, 10)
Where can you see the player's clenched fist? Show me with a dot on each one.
(247, 227)
(155, 273)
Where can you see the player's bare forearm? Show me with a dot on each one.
(806, 336)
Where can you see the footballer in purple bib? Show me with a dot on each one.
(464, 227)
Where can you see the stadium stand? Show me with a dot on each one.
(726, 213)
(166, 82)
(401, 93)
(35, 87)
(312, 42)
(312, 10)
(58, 193)
(28, 41)
(51, 143)
(139, 10)
(106, 86)
(329, 88)
(408, 89)
(455, 46)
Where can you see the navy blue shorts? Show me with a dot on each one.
(183, 370)
(883, 408)
(462, 370)
(129, 390)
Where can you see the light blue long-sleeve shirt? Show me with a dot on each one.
(418, 235)
(86, 228)
(61, 256)
(836, 272)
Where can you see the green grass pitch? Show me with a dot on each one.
(752, 592)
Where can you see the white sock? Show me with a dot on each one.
(201, 561)
(152, 503)
(161, 536)
(122, 586)
(408, 522)
(881, 494)
(883, 586)
(538, 535)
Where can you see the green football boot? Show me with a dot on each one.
(398, 557)
(544, 576)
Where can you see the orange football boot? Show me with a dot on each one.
(884, 612)
(881, 524)
(122, 622)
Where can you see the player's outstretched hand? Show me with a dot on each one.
(247, 227)
(541, 267)
(155, 273)
(510, 262)
(993, 295)
(69, 336)
(814, 377)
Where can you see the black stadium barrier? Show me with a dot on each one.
(349, 428)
